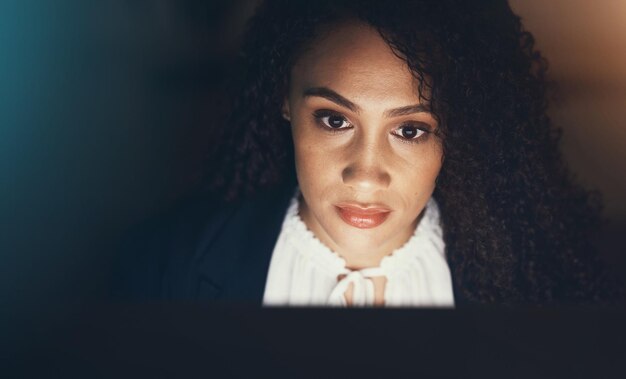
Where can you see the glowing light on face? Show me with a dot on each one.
(366, 153)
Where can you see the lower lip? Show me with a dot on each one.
(362, 220)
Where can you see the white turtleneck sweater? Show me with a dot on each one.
(304, 272)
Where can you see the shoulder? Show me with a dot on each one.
(157, 258)
(148, 250)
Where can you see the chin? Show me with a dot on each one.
(362, 238)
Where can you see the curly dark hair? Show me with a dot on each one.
(516, 227)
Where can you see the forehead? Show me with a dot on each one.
(353, 59)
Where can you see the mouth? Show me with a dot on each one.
(362, 217)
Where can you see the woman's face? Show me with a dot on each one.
(366, 155)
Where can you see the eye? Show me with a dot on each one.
(332, 120)
(410, 132)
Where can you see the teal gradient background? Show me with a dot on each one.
(106, 111)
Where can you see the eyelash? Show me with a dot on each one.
(321, 114)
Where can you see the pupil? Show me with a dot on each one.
(409, 132)
(335, 121)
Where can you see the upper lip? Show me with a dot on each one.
(364, 208)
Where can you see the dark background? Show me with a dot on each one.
(107, 107)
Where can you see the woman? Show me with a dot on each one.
(382, 155)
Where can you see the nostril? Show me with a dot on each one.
(348, 172)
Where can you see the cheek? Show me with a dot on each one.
(418, 178)
(429, 166)
(315, 162)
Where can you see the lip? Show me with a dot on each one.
(362, 217)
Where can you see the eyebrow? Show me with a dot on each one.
(403, 111)
(336, 98)
(331, 95)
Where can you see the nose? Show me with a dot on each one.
(365, 170)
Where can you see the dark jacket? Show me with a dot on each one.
(205, 252)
